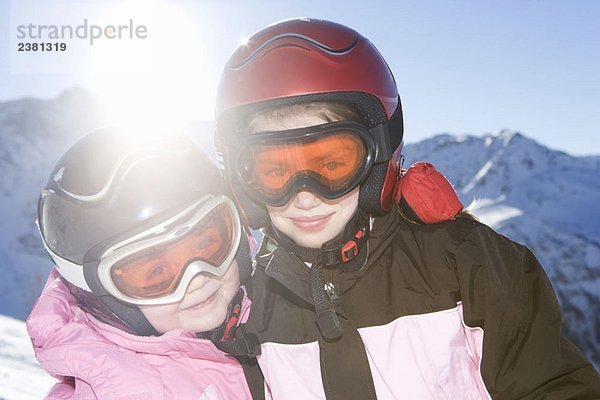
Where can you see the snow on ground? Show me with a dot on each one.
(21, 377)
(491, 213)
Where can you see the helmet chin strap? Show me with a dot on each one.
(348, 250)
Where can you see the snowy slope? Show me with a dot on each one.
(545, 199)
(21, 377)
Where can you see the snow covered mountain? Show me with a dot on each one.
(33, 133)
(543, 198)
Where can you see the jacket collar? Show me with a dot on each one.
(285, 267)
(281, 264)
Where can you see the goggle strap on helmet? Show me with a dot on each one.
(385, 136)
(382, 139)
(90, 271)
(131, 315)
(92, 304)
(255, 215)
(396, 127)
(243, 258)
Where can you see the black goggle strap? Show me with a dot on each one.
(243, 257)
(369, 136)
(128, 313)
(388, 135)
(131, 315)
(381, 136)
(299, 133)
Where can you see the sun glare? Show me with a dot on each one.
(244, 41)
(158, 81)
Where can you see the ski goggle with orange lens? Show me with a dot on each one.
(330, 159)
(156, 266)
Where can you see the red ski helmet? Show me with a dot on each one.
(305, 60)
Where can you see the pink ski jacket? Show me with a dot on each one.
(93, 360)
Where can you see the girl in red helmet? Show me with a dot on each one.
(353, 296)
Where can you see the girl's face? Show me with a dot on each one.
(204, 306)
(308, 219)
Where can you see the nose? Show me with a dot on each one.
(306, 200)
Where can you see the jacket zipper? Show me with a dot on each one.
(330, 289)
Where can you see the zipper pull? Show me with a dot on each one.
(330, 290)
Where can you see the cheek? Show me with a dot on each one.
(278, 212)
(348, 205)
(163, 317)
(351, 199)
(231, 280)
(277, 215)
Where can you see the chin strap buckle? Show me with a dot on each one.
(350, 249)
(349, 244)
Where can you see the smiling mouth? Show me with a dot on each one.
(315, 223)
(203, 303)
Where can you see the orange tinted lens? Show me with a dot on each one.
(157, 271)
(335, 158)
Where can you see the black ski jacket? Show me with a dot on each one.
(446, 311)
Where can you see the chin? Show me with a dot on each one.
(314, 240)
(311, 243)
(208, 323)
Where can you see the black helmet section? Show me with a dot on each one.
(111, 185)
(306, 60)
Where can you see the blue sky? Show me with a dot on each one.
(461, 66)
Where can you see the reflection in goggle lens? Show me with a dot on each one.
(157, 271)
(333, 160)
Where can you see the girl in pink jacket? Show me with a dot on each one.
(145, 298)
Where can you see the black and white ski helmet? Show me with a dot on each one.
(112, 184)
